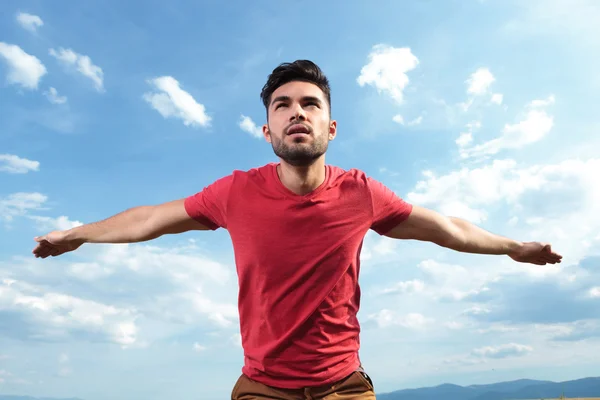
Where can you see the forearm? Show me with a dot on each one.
(129, 226)
(466, 237)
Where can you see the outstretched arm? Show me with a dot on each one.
(137, 224)
(460, 235)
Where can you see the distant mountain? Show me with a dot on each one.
(509, 386)
(9, 397)
(514, 390)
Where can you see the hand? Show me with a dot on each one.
(54, 244)
(536, 253)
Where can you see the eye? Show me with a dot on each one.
(312, 103)
(280, 105)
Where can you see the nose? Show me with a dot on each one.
(297, 113)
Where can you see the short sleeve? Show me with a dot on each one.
(389, 209)
(209, 206)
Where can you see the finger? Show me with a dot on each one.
(553, 254)
(551, 259)
(37, 249)
(55, 252)
(39, 238)
(45, 251)
(41, 245)
(547, 250)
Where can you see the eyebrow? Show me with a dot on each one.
(287, 98)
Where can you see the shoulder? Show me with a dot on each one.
(352, 176)
(240, 178)
(260, 173)
(359, 181)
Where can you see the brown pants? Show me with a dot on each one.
(357, 386)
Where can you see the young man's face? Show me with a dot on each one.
(299, 127)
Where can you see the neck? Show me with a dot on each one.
(302, 179)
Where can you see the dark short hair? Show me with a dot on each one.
(299, 70)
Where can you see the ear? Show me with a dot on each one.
(332, 129)
(266, 133)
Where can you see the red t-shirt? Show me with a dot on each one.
(297, 260)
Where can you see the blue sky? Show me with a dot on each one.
(479, 109)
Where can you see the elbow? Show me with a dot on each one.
(147, 226)
(452, 236)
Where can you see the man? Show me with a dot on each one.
(297, 228)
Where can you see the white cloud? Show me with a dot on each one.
(473, 125)
(19, 204)
(83, 64)
(22, 204)
(416, 121)
(60, 313)
(222, 315)
(53, 97)
(236, 339)
(381, 246)
(64, 367)
(413, 286)
(575, 20)
(16, 165)
(386, 318)
(454, 325)
(542, 103)
(464, 189)
(573, 331)
(450, 282)
(188, 280)
(89, 271)
(9, 377)
(29, 21)
(4, 374)
(385, 246)
(180, 265)
(502, 180)
(497, 98)
(23, 69)
(533, 128)
(480, 81)
(387, 70)
(49, 224)
(476, 310)
(247, 125)
(461, 295)
(462, 361)
(414, 321)
(571, 219)
(503, 351)
(198, 347)
(464, 139)
(180, 286)
(595, 292)
(172, 101)
(496, 328)
(400, 120)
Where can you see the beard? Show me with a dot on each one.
(299, 153)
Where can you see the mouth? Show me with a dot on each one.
(298, 129)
